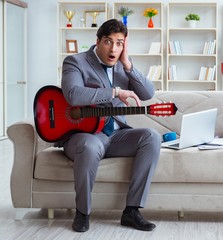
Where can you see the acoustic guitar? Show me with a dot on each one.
(56, 119)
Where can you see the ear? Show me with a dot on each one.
(97, 42)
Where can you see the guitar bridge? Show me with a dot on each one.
(51, 114)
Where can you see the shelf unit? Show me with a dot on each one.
(189, 61)
(81, 29)
(141, 37)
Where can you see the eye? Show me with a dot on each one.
(108, 42)
(120, 44)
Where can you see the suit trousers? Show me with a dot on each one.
(87, 150)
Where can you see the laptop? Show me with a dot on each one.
(196, 128)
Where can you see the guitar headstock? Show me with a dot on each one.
(162, 109)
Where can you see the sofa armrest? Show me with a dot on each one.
(23, 136)
(26, 143)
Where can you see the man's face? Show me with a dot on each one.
(110, 48)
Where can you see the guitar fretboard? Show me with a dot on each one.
(111, 111)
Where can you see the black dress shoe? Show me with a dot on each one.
(134, 219)
(81, 222)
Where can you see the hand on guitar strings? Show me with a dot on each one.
(123, 95)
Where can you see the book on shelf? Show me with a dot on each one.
(154, 72)
(209, 47)
(171, 47)
(202, 73)
(172, 73)
(155, 48)
(175, 47)
(207, 73)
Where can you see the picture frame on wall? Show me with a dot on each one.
(71, 46)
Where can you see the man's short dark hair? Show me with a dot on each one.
(112, 26)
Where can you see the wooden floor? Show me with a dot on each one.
(103, 225)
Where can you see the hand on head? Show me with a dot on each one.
(124, 58)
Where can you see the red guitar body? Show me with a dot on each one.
(52, 119)
(56, 119)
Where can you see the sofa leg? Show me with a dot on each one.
(50, 213)
(180, 214)
(20, 213)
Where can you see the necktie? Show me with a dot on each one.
(105, 67)
(109, 125)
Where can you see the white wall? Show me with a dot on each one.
(42, 43)
(42, 46)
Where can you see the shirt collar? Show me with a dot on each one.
(98, 57)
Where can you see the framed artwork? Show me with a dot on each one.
(71, 46)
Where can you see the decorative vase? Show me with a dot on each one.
(125, 20)
(150, 23)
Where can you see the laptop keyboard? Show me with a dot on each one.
(174, 145)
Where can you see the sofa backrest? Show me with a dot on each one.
(186, 102)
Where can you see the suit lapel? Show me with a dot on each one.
(97, 68)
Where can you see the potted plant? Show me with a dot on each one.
(125, 12)
(192, 18)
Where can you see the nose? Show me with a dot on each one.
(113, 47)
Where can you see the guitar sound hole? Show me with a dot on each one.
(73, 114)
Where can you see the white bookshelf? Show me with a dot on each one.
(141, 37)
(188, 62)
(81, 31)
(192, 58)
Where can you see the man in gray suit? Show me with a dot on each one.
(105, 76)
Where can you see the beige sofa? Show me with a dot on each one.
(185, 180)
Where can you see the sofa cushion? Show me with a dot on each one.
(190, 165)
(187, 165)
(52, 164)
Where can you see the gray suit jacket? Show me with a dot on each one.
(84, 82)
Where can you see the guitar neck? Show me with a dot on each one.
(159, 109)
(111, 111)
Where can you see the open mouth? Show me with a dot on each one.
(111, 57)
